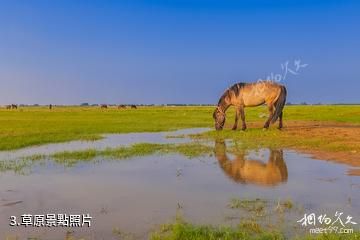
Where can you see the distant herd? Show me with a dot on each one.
(102, 106)
(119, 106)
(12, 106)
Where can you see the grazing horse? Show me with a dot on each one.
(133, 106)
(121, 106)
(243, 95)
(103, 106)
(256, 172)
(14, 106)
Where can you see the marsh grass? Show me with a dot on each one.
(189, 150)
(331, 236)
(75, 155)
(264, 211)
(251, 226)
(71, 158)
(247, 230)
(123, 235)
(252, 205)
(18, 166)
(180, 230)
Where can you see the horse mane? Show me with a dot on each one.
(223, 96)
(234, 88)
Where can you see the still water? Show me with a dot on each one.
(136, 195)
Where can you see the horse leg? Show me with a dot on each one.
(271, 113)
(237, 113)
(280, 120)
(242, 114)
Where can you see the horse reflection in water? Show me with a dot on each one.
(246, 171)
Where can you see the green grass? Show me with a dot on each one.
(261, 208)
(181, 230)
(287, 204)
(331, 236)
(249, 230)
(252, 205)
(38, 125)
(34, 126)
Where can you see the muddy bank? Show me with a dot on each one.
(332, 141)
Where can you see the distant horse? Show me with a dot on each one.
(8, 106)
(103, 106)
(243, 95)
(121, 106)
(50, 106)
(133, 106)
(243, 170)
(14, 106)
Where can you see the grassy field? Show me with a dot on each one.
(33, 126)
(36, 125)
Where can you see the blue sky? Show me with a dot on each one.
(69, 52)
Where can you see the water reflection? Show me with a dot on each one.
(243, 170)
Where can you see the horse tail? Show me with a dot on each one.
(279, 105)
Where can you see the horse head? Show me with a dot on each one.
(219, 117)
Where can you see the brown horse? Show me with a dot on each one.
(133, 106)
(8, 106)
(243, 95)
(121, 106)
(14, 106)
(103, 106)
(246, 171)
